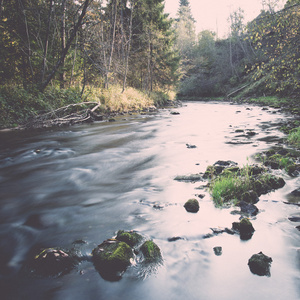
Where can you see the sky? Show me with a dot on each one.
(213, 14)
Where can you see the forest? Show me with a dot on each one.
(125, 54)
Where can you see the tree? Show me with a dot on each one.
(276, 39)
(185, 30)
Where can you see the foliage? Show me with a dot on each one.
(275, 38)
(18, 105)
(230, 186)
(294, 137)
(86, 42)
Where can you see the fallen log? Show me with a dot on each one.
(65, 115)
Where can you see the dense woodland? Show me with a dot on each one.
(259, 58)
(67, 41)
(72, 45)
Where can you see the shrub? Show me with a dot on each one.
(294, 137)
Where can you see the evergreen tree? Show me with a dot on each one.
(185, 30)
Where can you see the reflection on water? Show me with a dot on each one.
(87, 182)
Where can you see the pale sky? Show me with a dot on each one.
(213, 14)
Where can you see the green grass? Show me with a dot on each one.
(294, 137)
(17, 104)
(230, 185)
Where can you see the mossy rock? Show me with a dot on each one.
(265, 183)
(131, 238)
(245, 228)
(192, 205)
(191, 177)
(112, 257)
(276, 182)
(260, 264)
(250, 197)
(151, 252)
(52, 262)
(210, 172)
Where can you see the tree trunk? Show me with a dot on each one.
(68, 45)
(63, 43)
(46, 41)
(128, 47)
(112, 46)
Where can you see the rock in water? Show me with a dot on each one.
(52, 262)
(151, 252)
(111, 258)
(131, 238)
(218, 250)
(245, 228)
(192, 205)
(260, 264)
(248, 208)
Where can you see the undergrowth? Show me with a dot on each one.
(17, 104)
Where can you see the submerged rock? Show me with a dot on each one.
(296, 192)
(248, 208)
(174, 238)
(260, 264)
(245, 228)
(192, 177)
(111, 258)
(192, 205)
(52, 262)
(190, 146)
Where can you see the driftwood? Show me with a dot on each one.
(67, 115)
(239, 89)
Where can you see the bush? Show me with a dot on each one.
(294, 137)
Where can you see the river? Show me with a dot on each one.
(86, 182)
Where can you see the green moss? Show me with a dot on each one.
(151, 252)
(112, 255)
(130, 237)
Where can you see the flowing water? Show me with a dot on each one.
(84, 183)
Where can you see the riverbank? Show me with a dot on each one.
(19, 107)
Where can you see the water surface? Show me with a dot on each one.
(87, 182)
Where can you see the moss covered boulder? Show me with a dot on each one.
(192, 205)
(151, 252)
(260, 264)
(245, 228)
(111, 258)
(50, 262)
(131, 238)
(250, 197)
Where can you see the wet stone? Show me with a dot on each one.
(260, 264)
(151, 252)
(131, 238)
(52, 262)
(294, 219)
(192, 205)
(245, 228)
(218, 250)
(248, 208)
(174, 238)
(250, 197)
(111, 258)
(296, 192)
